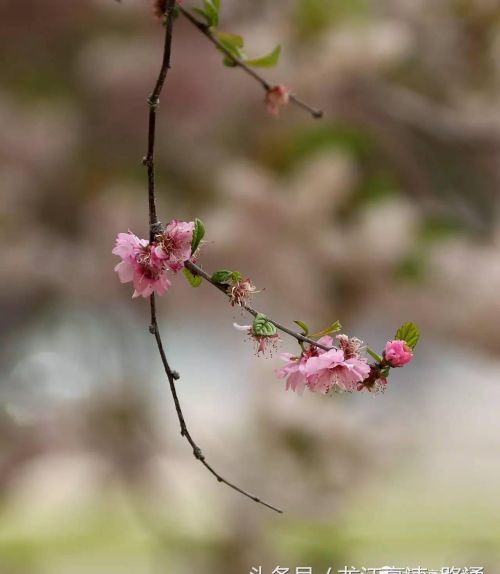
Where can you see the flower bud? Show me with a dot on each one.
(397, 353)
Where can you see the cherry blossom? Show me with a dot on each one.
(140, 265)
(173, 246)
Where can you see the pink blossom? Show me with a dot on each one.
(332, 371)
(174, 244)
(295, 369)
(293, 372)
(140, 265)
(397, 353)
(277, 97)
(241, 291)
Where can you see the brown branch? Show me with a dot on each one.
(207, 31)
(154, 228)
(196, 270)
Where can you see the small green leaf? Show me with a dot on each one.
(212, 12)
(263, 327)
(203, 14)
(408, 332)
(374, 355)
(267, 61)
(233, 43)
(226, 277)
(333, 328)
(193, 280)
(223, 276)
(303, 326)
(230, 40)
(198, 234)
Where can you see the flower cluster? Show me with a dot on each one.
(342, 367)
(147, 264)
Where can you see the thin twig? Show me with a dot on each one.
(154, 225)
(207, 31)
(196, 270)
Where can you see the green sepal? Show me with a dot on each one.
(384, 373)
(374, 355)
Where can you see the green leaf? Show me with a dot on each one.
(223, 276)
(193, 280)
(210, 11)
(233, 43)
(303, 326)
(198, 234)
(408, 332)
(202, 13)
(226, 277)
(230, 40)
(267, 61)
(333, 328)
(263, 327)
(374, 355)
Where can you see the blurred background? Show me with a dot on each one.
(385, 211)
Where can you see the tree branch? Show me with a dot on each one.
(154, 228)
(196, 270)
(206, 31)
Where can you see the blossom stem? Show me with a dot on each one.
(206, 30)
(196, 270)
(172, 376)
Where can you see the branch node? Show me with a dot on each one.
(198, 454)
(153, 102)
(152, 329)
(175, 375)
(156, 228)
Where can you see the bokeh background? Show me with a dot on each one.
(385, 211)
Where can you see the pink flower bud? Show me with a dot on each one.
(397, 353)
(275, 98)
